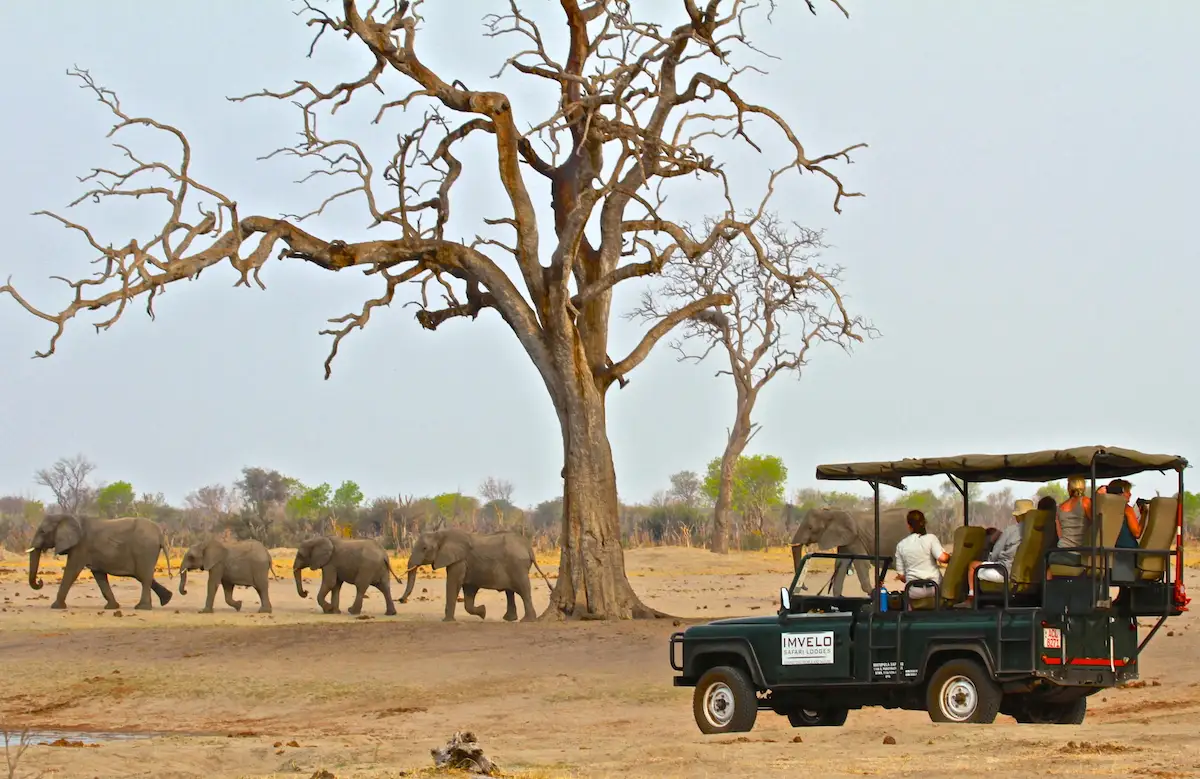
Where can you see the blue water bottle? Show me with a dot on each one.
(883, 599)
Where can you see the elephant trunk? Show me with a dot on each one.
(182, 580)
(299, 582)
(35, 557)
(412, 580)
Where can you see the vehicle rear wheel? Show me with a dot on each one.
(818, 718)
(725, 701)
(1046, 713)
(960, 690)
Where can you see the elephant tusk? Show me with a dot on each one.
(30, 550)
(410, 570)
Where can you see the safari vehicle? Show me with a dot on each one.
(1033, 647)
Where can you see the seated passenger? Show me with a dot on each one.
(1131, 529)
(1004, 552)
(1072, 519)
(990, 536)
(917, 556)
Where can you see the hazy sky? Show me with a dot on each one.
(1023, 247)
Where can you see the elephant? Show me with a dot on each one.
(229, 565)
(362, 562)
(125, 546)
(475, 561)
(850, 532)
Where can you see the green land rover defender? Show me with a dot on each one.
(1061, 626)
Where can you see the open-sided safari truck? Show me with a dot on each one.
(1033, 647)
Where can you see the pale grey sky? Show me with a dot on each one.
(1023, 246)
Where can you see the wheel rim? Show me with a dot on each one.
(718, 705)
(959, 698)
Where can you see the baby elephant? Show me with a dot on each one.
(362, 562)
(229, 564)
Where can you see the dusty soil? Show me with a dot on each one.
(298, 692)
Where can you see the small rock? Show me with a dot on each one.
(277, 744)
(322, 774)
(1170, 632)
(292, 744)
(118, 613)
(797, 740)
(889, 740)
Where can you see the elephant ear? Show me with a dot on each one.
(213, 552)
(322, 553)
(450, 550)
(68, 533)
(839, 531)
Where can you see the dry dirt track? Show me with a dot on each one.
(370, 697)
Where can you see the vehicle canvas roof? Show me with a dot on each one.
(1044, 466)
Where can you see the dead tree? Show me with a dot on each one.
(639, 110)
(776, 290)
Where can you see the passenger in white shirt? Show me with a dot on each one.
(917, 556)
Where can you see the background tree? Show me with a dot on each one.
(781, 304)
(497, 495)
(686, 488)
(261, 490)
(1054, 489)
(67, 479)
(116, 499)
(212, 505)
(757, 485)
(643, 107)
(346, 500)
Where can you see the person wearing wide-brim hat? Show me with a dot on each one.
(1004, 551)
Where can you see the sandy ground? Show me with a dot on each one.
(298, 692)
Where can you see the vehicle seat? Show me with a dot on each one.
(969, 543)
(1026, 575)
(1111, 511)
(1159, 534)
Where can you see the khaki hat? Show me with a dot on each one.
(1022, 506)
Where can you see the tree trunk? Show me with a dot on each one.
(592, 583)
(734, 446)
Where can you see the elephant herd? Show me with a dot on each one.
(129, 547)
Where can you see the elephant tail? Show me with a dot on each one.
(544, 577)
(271, 567)
(393, 573)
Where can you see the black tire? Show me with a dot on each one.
(725, 701)
(1043, 713)
(818, 718)
(961, 690)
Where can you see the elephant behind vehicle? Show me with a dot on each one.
(477, 561)
(125, 546)
(849, 532)
(229, 565)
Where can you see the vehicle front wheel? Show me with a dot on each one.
(725, 701)
(961, 691)
(818, 718)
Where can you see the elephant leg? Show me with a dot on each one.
(511, 614)
(454, 578)
(861, 567)
(839, 577)
(526, 593)
(164, 595)
(335, 596)
(469, 606)
(210, 595)
(70, 574)
(327, 596)
(360, 592)
(236, 604)
(264, 598)
(386, 588)
(145, 603)
(110, 602)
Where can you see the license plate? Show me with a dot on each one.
(1052, 638)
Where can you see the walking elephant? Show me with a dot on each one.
(126, 546)
(849, 532)
(474, 562)
(362, 562)
(229, 565)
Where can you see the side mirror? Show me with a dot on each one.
(785, 599)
